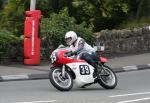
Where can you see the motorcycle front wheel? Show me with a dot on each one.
(58, 81)
(107, 78)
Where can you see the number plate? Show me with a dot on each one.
(84, 69)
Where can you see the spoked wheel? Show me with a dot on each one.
(107, 78)
(58, 81)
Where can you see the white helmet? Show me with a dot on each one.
(70, 37)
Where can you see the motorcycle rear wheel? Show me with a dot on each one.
(107, 78)
(59, 82)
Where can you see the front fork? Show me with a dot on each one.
(63, 71)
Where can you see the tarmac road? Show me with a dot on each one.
(133, 87)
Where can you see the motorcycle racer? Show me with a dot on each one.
(81, 49)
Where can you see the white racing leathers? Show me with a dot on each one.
(80, 46)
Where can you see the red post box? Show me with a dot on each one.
(32, 38)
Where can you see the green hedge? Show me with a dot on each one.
(11, 47)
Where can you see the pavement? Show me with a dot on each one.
(16, 72)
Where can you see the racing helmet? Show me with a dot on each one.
(70, 37)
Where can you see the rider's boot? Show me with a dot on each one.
(97, 69)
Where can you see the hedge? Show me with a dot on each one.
(11, 47)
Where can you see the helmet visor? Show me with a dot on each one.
(68, 40)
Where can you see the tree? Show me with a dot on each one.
(1, 5)
(12, 16)
(44, 6)
(138, 9)
(101, 13)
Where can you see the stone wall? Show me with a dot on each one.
(126, 41)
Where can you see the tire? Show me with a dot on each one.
(103, 78)
(58, 81)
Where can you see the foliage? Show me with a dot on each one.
(10, 46)
(135, 24)
(92, 11)
(103, 14)
(12, 16)
(138, 9)
(1, 4)
(55, 27)
(44, 6)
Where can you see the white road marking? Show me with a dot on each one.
(128, 68)
(135, 100)
(50, 101)
(123, 95)
(12, 77)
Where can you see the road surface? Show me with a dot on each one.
(133, 87)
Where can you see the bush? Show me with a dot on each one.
(11, 47)
(136, 24)
(55, 27)
(1, 4)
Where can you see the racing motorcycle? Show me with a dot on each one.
(65, 71)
